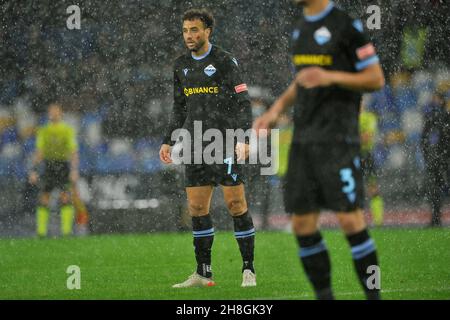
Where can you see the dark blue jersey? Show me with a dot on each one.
(334, 41)
(209, 89)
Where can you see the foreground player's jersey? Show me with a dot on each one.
(334, 41)
(209, 89)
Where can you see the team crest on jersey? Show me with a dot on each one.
(322, 35)
(185, 71)
(210, 70)
(295, 34)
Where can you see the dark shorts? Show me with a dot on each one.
(323, 176)
(56, 175)
(197, 175)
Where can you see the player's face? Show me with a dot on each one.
(54, 113)
(195, 34)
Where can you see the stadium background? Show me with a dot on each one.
(114, 80)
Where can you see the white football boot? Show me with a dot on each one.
(195, 280)
(248, 279)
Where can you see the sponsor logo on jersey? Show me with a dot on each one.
(322, 35)
(210, 70)
(365, 52)
(200, 90)
(235, 61)
(240, 88)
(313, 59)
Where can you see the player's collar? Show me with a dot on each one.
(203, 55)
(320, 15)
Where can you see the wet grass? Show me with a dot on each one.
(415, 264)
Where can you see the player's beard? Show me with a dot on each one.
(198, 45)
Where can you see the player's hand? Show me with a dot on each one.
(313, 77)
(74, 176)
(263, 123)
(242, 151)
(33, 178)
(164, 154)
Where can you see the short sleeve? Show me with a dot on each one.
(359, 47)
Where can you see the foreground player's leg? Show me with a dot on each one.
(67, 214)
(363, 248)
(244, 230)
(42, 215)
(199, 199)
(313, 254)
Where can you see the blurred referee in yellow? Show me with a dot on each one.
(57, 147)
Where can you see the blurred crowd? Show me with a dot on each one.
(114, 77)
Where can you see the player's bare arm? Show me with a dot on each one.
(369, 79)
(74, 162)
(285, 101)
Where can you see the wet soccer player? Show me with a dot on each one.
(334, 61)
(208, 87)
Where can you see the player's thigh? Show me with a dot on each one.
(199, 200)
(300, 186)
(234, 197)
(305, 224)
(44, 198)
(340, 177)
(352, 222)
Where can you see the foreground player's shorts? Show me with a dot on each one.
(56, 175)
(323, 176)
(203, 175)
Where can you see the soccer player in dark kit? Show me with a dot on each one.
(208, 88)
(334, 61)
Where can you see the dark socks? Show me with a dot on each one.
(244, 232)
(316, 263)
(364, 255)
(203, 233)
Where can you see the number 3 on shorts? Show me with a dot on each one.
(349, 181)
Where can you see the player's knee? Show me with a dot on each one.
(65, 198)
(197, 209)
(44, 200)
(304, 225)
(352, 223)
(236, 207)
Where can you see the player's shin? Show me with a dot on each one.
(67, 216)
(316, 263)
(203, 233)
(244, 232)
(364, 256)
(42, 216)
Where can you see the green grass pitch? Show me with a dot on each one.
(415, 264)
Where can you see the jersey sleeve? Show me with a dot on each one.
(359, 48)
(239, 90)
(179, 112)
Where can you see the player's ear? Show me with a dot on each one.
(208, 32)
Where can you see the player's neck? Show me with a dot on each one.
(203, 50)
(315, 7)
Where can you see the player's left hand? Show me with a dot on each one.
(74, 175)
(313, 77)
(242, 151)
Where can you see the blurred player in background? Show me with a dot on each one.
(208, 88)
(435, 143)
(368, 128)
(334, 61)
(57, 148)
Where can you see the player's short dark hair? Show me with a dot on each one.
(203, 15)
